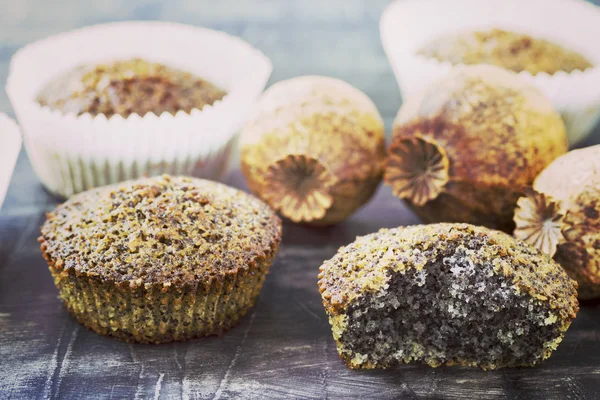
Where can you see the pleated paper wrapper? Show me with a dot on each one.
(71, 153)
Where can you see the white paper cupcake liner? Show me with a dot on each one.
(407, 25)
(74, 153)
(10, 146)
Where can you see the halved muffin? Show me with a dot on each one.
(445, 294)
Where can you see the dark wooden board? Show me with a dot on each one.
(283, 348)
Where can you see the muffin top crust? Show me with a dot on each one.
(128, 87)
(514, 51)
(365, 265)
(169, 230)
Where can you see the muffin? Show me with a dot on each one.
(314, 150)
(463, 150)
(160, 259)
(561, 216)
(511, 50)
(426, 40)
(445, 294)
(128, 87)
(120, 101)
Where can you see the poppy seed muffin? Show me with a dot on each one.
(160, 259)
(128, 87)
(511, 50)
(445, 294)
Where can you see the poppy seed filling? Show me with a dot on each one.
(450, 312)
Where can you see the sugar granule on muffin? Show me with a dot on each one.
(445, 294)
(160, 259)
(128, 87)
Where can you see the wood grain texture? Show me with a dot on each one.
(283, 348)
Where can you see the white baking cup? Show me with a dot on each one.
(73, 153)
(406, 25)
(10, 146)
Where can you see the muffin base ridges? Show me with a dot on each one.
(159, 313)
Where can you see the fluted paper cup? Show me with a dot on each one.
(406, 25)
(10, 140)
(73, 153)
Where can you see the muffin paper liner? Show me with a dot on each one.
(10, 146)
(73, 153)
(157, 313)
(407, 25)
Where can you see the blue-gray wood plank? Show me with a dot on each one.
(283, 348)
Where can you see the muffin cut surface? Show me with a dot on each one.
(445, 294)
(186, 253)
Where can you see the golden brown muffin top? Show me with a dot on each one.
(128, 87)
(366, 264)
(169, 230)
(514, 51)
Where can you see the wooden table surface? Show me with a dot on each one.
(283, 348)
